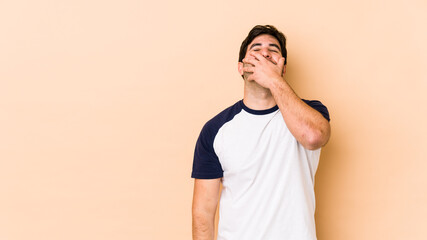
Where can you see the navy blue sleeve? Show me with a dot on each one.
(206, 164)
(319, 107)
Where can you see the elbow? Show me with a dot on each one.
(317, 138)
(313, 142)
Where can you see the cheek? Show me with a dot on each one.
(276, 58)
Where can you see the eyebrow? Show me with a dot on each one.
(259, 44)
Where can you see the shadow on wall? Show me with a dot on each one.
(332, 171)
(329, 179)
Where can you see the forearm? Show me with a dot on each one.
(205, 202)
(203, 227)
(306, 124)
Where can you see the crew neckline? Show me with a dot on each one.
(258, 112)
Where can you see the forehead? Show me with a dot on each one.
(264, 39)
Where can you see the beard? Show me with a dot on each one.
(247, 74)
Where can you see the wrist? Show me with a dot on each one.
(277, 85)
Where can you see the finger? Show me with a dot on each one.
(255, 55)
(272, 61)
(250, 60)
(250, 78)
(249, 57)
(258, 56)
(249, 69)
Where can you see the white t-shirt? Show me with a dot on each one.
(267, 176)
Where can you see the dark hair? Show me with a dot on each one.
(259, 30)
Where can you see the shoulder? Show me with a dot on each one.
(206, 163)
(214, 124)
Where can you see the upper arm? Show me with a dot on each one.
(318, 106)
(206, 196)
(322, 129)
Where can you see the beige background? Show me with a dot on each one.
(101, 103)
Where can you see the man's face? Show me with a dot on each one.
(266, 45)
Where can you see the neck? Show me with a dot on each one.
(257, 97)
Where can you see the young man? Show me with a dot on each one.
(264, 149)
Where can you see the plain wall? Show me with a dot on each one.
(101, 103)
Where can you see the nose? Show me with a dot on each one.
(266, 53)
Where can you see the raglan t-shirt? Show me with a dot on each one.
(267, 176)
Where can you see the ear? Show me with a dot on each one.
(284, 70)
(240, 68)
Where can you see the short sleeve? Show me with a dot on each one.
(206, 164)
(317, 105)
